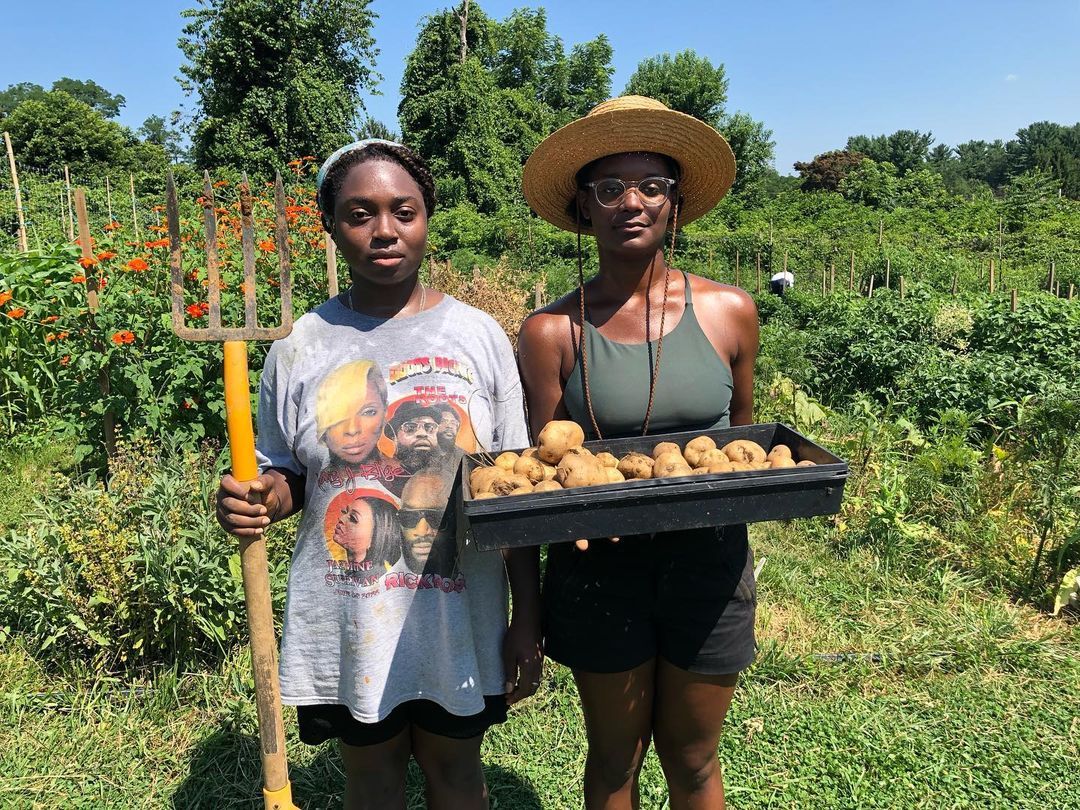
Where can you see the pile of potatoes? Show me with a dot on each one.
(560, 462)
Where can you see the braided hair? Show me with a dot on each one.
(401, 155)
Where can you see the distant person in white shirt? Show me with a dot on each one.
(781, 281)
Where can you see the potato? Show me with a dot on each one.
(506, 460)
(806, 463)
(528, 452)
(636, 466)
(556, 438)
(607, 459)
(780, 451)
(721, 468)
(780, 462)
(760, 465)
(613, 475)
(547, 486)
(481, 479)
(578, 450)
(666, 447)
(745, 451)
(549, 472)
(712, 457)
(741, 466)
(580, 471)
(700, 471)
(670, 465)
(483, 495)
(531, 468)
(696, 450)
(508, 482)
(523, 490)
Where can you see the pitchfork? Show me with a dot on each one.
(277, 791)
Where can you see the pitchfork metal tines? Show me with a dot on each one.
(215, 331)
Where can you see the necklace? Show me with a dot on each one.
(423, 299)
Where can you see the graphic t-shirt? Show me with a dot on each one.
(383, 604)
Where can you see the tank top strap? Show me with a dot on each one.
(686, 287)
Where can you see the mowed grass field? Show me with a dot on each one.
(874, 687)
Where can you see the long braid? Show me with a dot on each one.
(663, 312)
(581, 337)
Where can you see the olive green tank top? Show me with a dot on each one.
(693, 391)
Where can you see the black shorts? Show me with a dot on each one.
(322, 722)
(688, 597)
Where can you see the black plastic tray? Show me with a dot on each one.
(659, 504)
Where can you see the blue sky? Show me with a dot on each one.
(814, 72)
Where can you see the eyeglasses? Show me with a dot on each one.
(412, 428)
(610, 191)
(436, 518)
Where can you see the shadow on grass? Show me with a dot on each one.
(226, 772)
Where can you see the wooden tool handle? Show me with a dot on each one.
(276, 789)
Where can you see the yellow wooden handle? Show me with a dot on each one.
(238, 412)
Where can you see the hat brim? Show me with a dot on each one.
(704, 157)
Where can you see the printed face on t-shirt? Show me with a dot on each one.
(428, 545)
(354, 439)
(354, 529)
(417, 443)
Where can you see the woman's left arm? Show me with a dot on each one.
(742, 314)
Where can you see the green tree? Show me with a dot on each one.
(16, 94)
(589, 74)
(1051, 148)
(753, 147)
(57, 130)
(156, 130)
(906, 149)
(374, 128)
(686, 82)
(276, 79)
(93, 94)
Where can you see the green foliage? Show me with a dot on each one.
(827, 171)
(157, 131)
(685, 82)
(905, 149)
(275, 79)
(56, 129)
(92, 94)
(131, 573)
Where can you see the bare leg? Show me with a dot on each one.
(375, 774)
(618, 719)
(453, 774)
(689, 716)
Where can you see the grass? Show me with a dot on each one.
(970, 701)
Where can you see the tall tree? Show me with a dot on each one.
(686, 82)
(753, 146)
(15, 94)
(828, 170)
(92, 94)
(906, 149)
(1049, 148)
(276, 79)
(156, 130)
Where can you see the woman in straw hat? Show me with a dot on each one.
(392, 655)
(655, 628)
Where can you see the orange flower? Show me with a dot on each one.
(16, 313)
(50, 319)
(123, 337)
(50, 338)
(78, 279)
(62, 335)
(105, 255)
(221, 183)
(86, 262)
(65, 359)
(267, 246)
(137, 265)
(187, 404)
(157, 243)
(4, 297)
(113, 226)
(198, 310)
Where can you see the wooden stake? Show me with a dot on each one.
(823, 290)
(108, 198)
(851, 273)
(85, 244)
(903, 288)
(1012, 303)
(954, 285)
(991, 276)
(71, 217)
(880, 231)
(832, 277)
(1050, 286)
(331, 268)
(134, 216)
(23, 246)
(1057, 289)
(870, 294)
(538, 295)
(888, 272)
(1071, 288)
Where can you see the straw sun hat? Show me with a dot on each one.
(628, 124)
